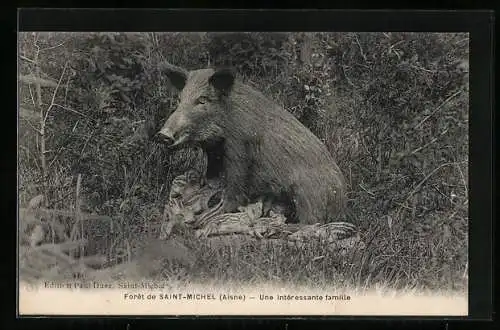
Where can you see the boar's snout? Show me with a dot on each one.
(161, 137)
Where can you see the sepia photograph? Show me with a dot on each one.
(243, 173)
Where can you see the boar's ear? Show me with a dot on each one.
(175, 74)
(223, 79)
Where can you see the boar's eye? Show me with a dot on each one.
(202, 100)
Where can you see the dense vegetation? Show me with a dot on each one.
(391, 107)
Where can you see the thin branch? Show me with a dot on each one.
(67, 86)
(86, 142)
(39, 105)
(404, 206)
(463, 179)
(69, 109)
(438, 108)
(32, 96)
(27, 59)
(429, 143)
(35, 41)
(52, 47)
(38, 87)
(74, 127)
(395, 44)
(56, 156)
(31, 125)
(422, 68)
(55, 93)
(366, 190)
(359, 45)
(417, 187)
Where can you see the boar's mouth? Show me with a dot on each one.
(179, 142)
(184, 140)
(171, 142)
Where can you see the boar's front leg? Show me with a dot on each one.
(234, 193)
(237, 173)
